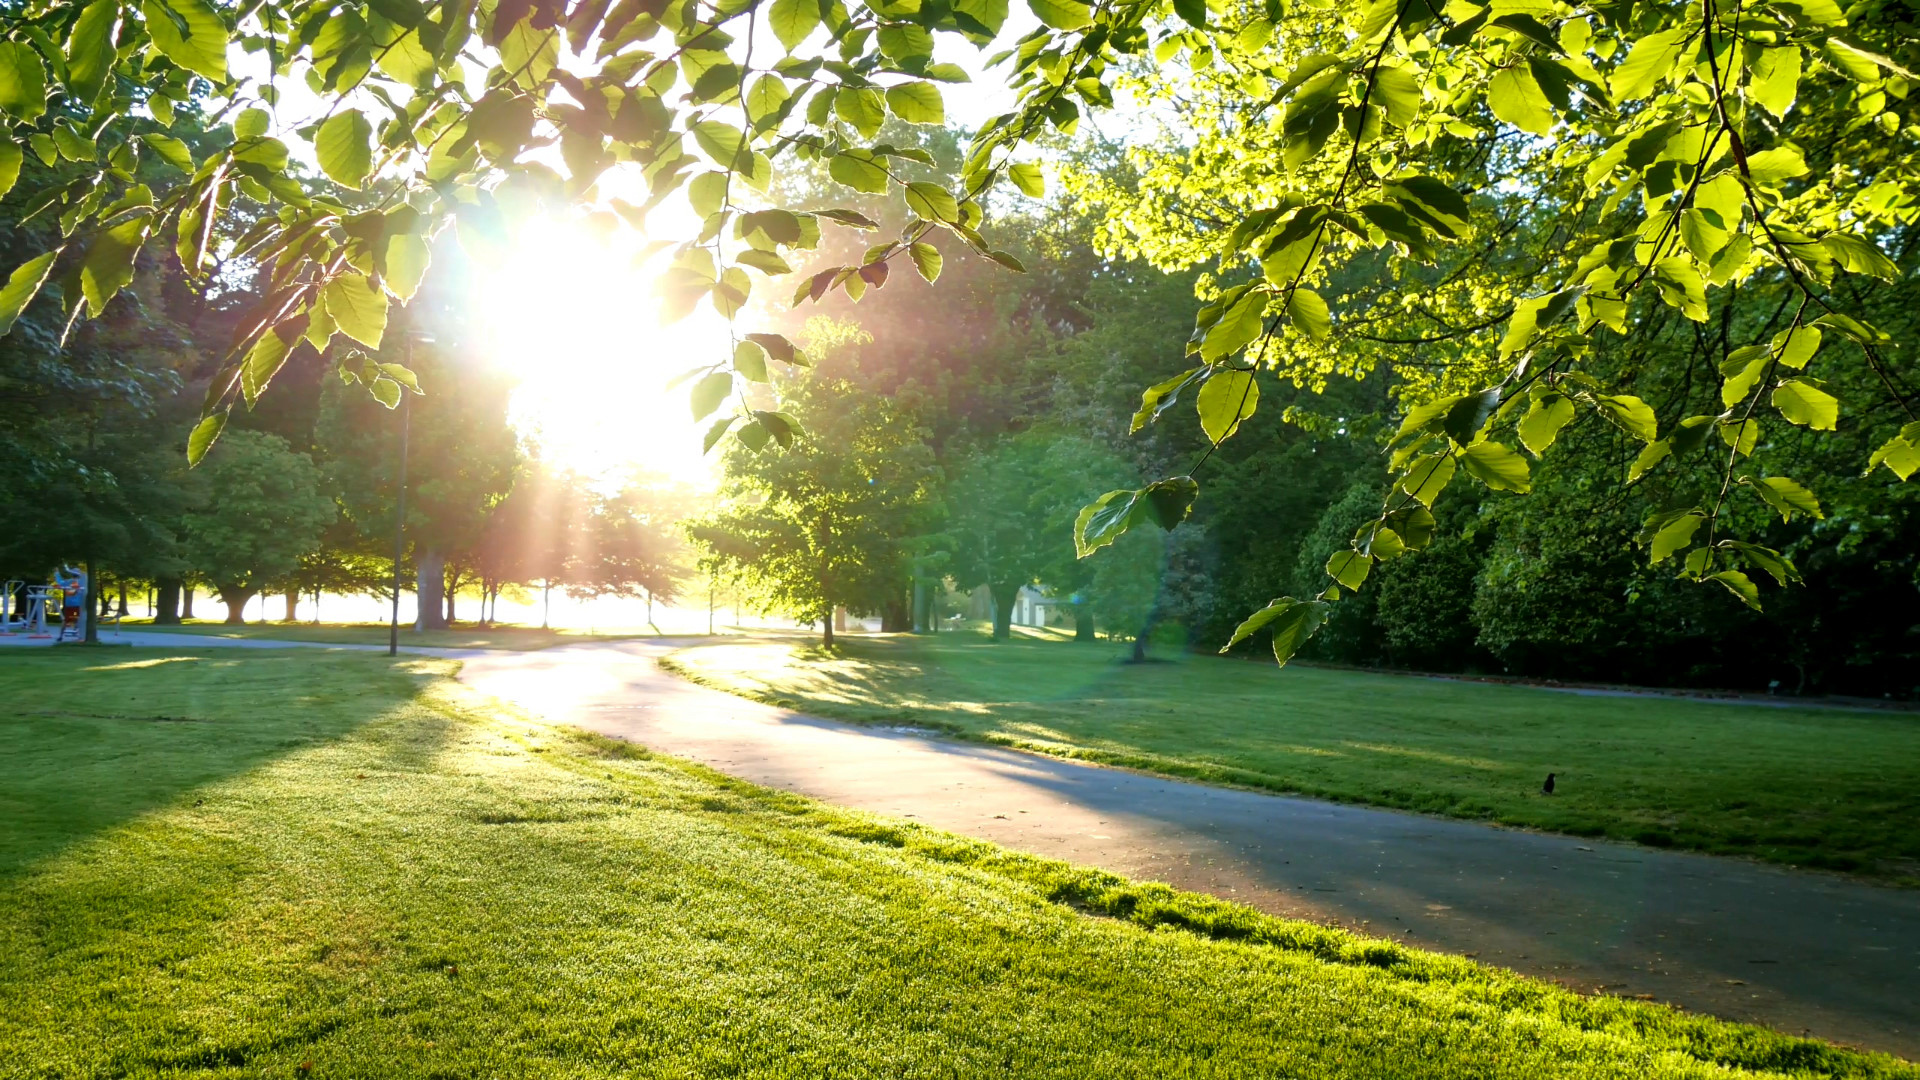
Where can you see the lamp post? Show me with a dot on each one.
(400, 500)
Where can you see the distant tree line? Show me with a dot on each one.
(1005, 404)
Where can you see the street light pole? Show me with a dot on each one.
(400, 513)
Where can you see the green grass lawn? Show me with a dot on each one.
(294, 864)
(473, 637)
(1827, 788)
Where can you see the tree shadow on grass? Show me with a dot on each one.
(93, 740)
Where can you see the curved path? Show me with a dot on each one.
(1800, 952)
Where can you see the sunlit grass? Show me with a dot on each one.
(304, 864)
(494, 637)
(1829, 788)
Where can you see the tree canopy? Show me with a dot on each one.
(1471, 199)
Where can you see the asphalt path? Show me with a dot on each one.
(1805, 953)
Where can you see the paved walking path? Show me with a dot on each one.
(1800, 952)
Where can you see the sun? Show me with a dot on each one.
(572, 315)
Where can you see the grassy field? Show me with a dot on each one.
(1826, 788)
(301, 864)
(495, 637)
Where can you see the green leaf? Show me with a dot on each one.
(1291, 621)
(191, 34)
(1650, 455)
(719, 141)
(1742, 370)
(358, 308)
(1653, 59)
(917, 103)
(1675, 534)
(1775, 79)
(408, 255)
(780, 349)
(1193, 12)
(926, 259)
(23, 82)
(864, 109)
(1860, 256)
(1496, 466)
(11, 158)
(715, 433)
(262, 363)
(22, 285)
(1900, 454)
(201, 439)
(90, 49)
(1803, 402)
(1029, 178)
(1103, 520)
(1062, 14)
(1226, 399)
(1740, 585)
(344, 146)
(709, 392)
(766, 262)
(750, 360)
(1169, 501)
(1428, 476)
(1742, 435)
(1769, 167)
(1546, 415)
(108, 266)
(1515, 96)
(858, 172)
(1629, 414)
(932, 202)
(793, 20)
(1468, 414)
(252, 124)
(1397, 90)
(1796, 347)
(1160, 397)
(1789, 497)
(385, 391)
(1349, 568)
(171, 150)
(1307, 311)
(1240, 324)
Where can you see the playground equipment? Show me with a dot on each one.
(35, 622)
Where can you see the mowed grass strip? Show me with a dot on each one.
(307, 864)
(1835, 789)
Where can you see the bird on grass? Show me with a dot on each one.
(1547, 788)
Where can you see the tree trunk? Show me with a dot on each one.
(167, 611)
(897, 616)
(1082, 625)
(546, 601)
(453, 590)
(236, 599)
(1145, 636)
(293, 603)
(827, 621)
(1004, 595)
(122, 612)
(186, 602)
(430, 588)
(92, 632)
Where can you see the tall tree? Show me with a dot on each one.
(832, 518)
(262, 511)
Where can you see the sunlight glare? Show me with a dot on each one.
(574, 320)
